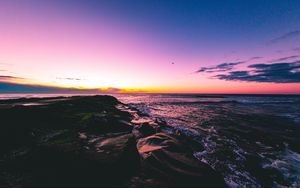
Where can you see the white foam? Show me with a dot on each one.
(288, 163)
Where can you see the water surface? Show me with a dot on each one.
(251, 139)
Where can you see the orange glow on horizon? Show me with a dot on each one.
(216, 87)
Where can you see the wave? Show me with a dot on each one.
(245, 101)
(198, 102)
(228, 102)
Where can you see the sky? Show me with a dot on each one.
(150, 46)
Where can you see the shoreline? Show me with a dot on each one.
(96, 141)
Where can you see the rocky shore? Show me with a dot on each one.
(94, 141)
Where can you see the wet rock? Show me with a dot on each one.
(56, 136)
(104, 123)
(189, 141)
(143, 130)
(89, 142)
(168, 159)
(146, 182)
(118, 150)
(66, 161)
(96, 113)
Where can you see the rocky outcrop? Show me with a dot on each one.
(165, 157)
(94, 142)
(143, 130)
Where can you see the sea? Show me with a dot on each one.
(252, 140)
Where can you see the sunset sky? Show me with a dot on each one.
(151, 45)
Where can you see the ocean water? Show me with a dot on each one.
(252, 140)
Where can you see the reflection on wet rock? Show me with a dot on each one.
(167, 158)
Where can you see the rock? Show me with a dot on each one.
(143, 130)
(145, 182)
(118, 150)
(89, 142)
(104, 123)
(166, 157)
(67, 162)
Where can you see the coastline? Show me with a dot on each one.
(94, 141)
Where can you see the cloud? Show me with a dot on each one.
(9, 78)
(69, 78)
(276, 73)
(286, 36)
(254, 58)
(225, 66)
(5, 76)
(9, 84)
(284, 58)
(220, 67)
(8, 87)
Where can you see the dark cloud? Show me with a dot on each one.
(284, 58)
(255, 58)
(225, 66)
(276, 73)
(7, 87)
(219, 68)
(287, 36)
(297, 49)
(6, 77)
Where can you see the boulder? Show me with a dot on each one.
(70, 161)
(104, 123)
(143, 130)
(166, 157)
(118, 150)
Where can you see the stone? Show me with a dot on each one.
(143, 130)
(167, 158)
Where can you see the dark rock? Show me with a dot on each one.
(104, 123)
(146, 182)
(168, 159)
(65, 161)
(56, 154)
(194, 145)
(143, 130)
(118, 150)
(95, 113)
(89, 142)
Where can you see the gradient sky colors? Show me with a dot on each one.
(152, 45)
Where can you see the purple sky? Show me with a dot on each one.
(156, 46)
